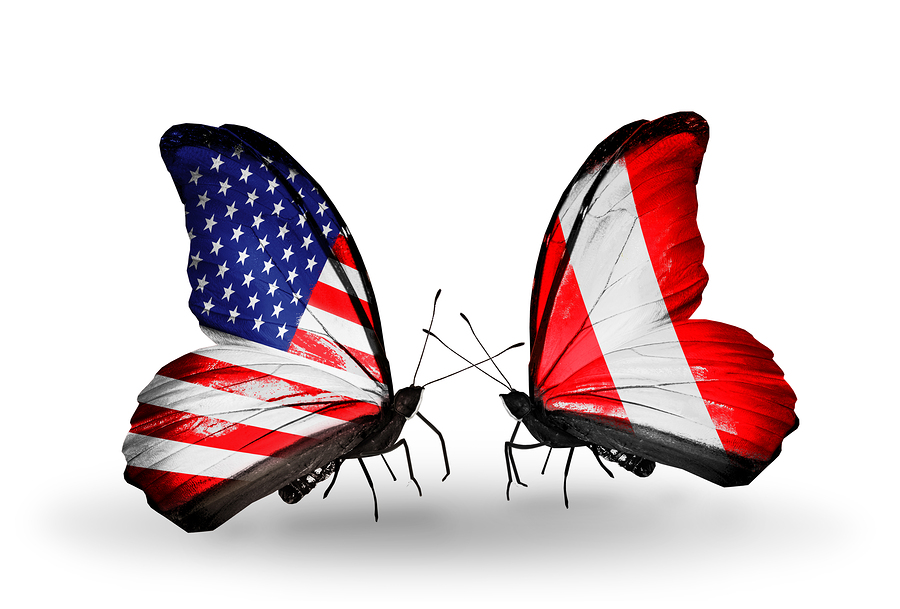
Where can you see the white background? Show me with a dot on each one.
(445, 136)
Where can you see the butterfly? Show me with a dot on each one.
(616, 363)
(297, 381)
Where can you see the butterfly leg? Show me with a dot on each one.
(443, 445)
(566, 476)
(606, 469)
(371, 486)
(408, 462)
(510, 459)
(337, 469)
(508, 446)
(388, 466)
(546, 461)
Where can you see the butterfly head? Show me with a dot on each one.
(408, 400)
(517, 404)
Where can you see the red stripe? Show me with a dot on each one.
(159, 422)
(318, 348)
(337, 302)
(743, 388)
(663, 179)
(581, 374)
(222, 376)
(342, 252)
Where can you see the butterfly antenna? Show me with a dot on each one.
(465, 359)
(475, 365)
(427, 334)
(508, 384)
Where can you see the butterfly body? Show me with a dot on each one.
(298, 380)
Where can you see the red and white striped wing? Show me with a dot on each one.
(298, 376)
(615, 359)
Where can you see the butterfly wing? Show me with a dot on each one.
(298, 375)
(615, 358)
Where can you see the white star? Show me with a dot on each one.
(242, 256)
(283, 231)
(210, 222)
(301, 221)
(216, 246)
(263, 243)
(223, 187)
(322, 208)
(287, 254)
(237, 232)
(195, 260)
(296, 298)
(222, 270)
(248, 278)
(257, 323)
(216, 162)
(251, 197)
(233, 313)
(207, 306)
(292, 174)
(191, 234)
(277, 209)
(231, 210)
(203, 199)
(311, 262)
(237, 151)
(273, 184)
(302, 196)
(276, 310)
(292, 275)
(228, 293)
(196, 175)
(267, 266)
(282, 330)
(267, 160)
(257, 220)
(245, 173)
(307, 240)
(272, 287)
(253, 301)
(327, 229)
(201, 283)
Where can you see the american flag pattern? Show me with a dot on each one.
(298, 374)
(615, 359)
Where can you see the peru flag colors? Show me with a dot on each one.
(615, 358)
(298, 374)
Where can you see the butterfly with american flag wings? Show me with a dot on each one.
(297, 380)
(617, 365)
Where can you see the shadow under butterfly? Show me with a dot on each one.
(298, 380)
(616, 364)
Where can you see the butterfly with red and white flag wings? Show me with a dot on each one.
(297, 380)
(617, 364)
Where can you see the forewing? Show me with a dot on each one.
(224, 426)
(271, 261)
(620, 272)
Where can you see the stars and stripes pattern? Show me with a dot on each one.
(619, 275)
(297, 376)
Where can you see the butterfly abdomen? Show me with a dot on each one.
(637, 465)
(299, 488)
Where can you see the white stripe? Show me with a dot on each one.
(182, 458)
(184, 396)
(330, 278)
(628, 311)
(353, 377)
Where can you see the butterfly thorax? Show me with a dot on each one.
(404, 406)
(532, 414)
